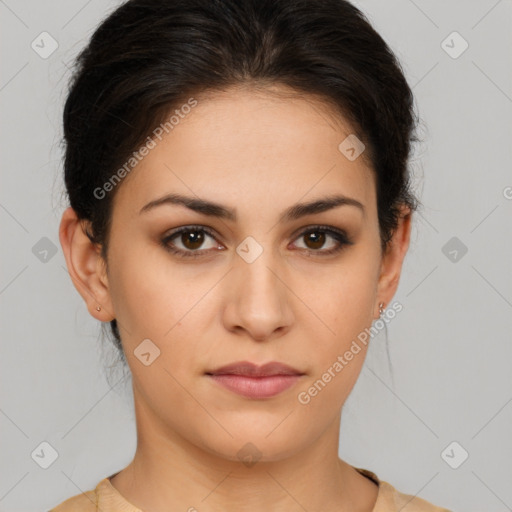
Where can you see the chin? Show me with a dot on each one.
(251, 445)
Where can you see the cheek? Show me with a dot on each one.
(154, 300)
(339, 352)
(344, 299)
(148, 293)
(343, 306)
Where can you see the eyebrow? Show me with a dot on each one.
(217, 210)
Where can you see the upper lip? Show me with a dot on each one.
(253, 370)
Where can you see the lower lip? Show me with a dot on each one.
(256, 387)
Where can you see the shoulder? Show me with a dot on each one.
(104, 498)
(84, 502)
(390, 499)
(406, 502)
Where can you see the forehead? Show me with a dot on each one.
(245, 145)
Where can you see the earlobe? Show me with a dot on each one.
(85, 266)
(392, 260)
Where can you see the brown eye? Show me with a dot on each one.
(316, 237)
(192, 239)
(187, 241)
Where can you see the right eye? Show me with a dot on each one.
(190, 238)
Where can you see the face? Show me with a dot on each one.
(257, 285)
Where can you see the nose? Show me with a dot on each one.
(258, 299)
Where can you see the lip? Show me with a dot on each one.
(253, 370)
(257, 382)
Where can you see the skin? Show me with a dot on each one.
(259, 153)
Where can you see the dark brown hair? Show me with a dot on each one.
(148, 57)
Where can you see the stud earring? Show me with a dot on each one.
(381, 309)
(98, 308)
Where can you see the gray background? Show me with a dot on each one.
(450, 347)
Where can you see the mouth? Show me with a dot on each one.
(256, 382)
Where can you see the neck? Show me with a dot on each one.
(169, 472)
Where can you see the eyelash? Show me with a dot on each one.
(338, 235)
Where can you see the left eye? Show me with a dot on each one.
(318, 236)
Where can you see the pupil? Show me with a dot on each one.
(196, 237)
(318, 240)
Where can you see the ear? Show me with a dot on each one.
(392, 259)
(85, 266)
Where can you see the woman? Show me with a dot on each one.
(240, 209)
